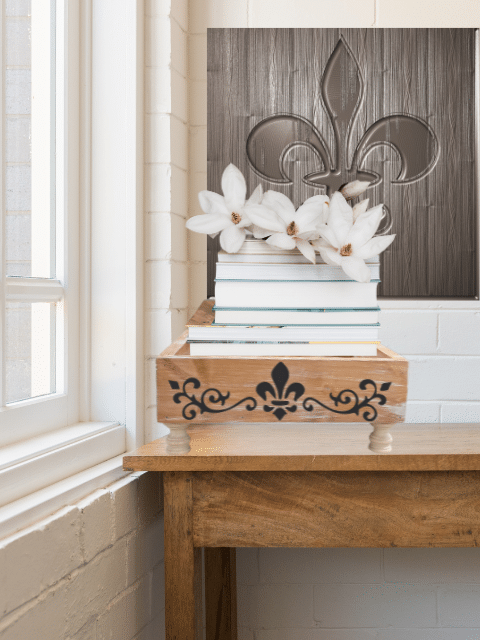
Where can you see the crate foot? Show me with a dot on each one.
(380, 438)
(178, 440)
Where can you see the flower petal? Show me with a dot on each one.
(340, 217)
(281, 240)
(257, 195)
(307, 249)
(260, 233)
(374, 246)
(359, 208)
(354, 189)
(232, 238)
(264, 217)
(208, 223)
(329, 255)
(212, 202)
(234, 189)
(326, 232)
(316, 205)
(355, 268)
(282, 205)
(307, 219)
(364, 228)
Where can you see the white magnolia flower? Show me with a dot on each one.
(286, 227)
(226, 214)
(354, 189)
(347, 241)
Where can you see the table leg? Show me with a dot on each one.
(220, 593)
(380, 438)
(183, 569)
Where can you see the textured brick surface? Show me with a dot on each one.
(428, 13)
(306, 13)
(460, 411)
(444, 378)
(432, 565)
(459, 605)
(317, 634)
(97, 532)
(310, 566)
(409, 332)
(372, 605)
(91, 588)
(38, 557)
(459, 332)
(421, 412)
(275, 606)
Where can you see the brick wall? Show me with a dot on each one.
(92, 571)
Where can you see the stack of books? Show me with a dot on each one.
(270, 302)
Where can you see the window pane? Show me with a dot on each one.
(30, 143)
(30, 350)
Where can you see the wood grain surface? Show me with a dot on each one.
(206, 389)
(425, 74)
(322, 447)
(183, 571)
(220, 593)
(237, 380)
(342, 509)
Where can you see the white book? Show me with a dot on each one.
(295, 295)
(322, 333)
(269, 317)
(260, 251)
(282, 349)
(253, 271)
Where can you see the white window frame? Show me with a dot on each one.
(84, 429)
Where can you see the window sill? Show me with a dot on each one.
(39, 462)
(28, 510)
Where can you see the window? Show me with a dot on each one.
(71, 252)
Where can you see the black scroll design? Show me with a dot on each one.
(208, 397)
(352, 401)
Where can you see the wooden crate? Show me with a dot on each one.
(212, 389)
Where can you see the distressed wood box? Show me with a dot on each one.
(211, 389)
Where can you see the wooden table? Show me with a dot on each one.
(308, 485)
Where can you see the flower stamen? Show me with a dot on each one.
(292, 229)
(236, 217)
(346, 250)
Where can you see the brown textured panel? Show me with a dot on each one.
(220, 594)
(183, 562)
(342, 92)
(335, 509)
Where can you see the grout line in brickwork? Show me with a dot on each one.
(438, 332)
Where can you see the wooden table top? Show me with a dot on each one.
(315, 447)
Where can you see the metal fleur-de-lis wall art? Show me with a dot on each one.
(342, 91)
(279, 399)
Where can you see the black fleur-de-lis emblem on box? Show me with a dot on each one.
(342, 91)
(280, 402)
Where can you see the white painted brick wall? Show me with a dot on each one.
(92, 571)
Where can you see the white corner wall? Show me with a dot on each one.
(357, 594)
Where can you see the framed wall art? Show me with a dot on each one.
(304, 111)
